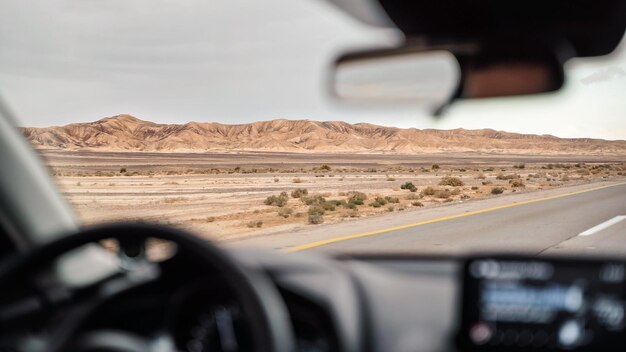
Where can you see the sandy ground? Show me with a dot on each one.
(222, 196)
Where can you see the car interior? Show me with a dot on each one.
(67, 287)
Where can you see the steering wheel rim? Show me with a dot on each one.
(267, 315)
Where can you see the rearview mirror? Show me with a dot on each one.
(437, 77)
(429, 77)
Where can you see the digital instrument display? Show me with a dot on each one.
(543, 305)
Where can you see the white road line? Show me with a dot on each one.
(603, 225)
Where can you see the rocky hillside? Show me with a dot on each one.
(128, 133)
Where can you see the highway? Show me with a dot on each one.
(586, 219)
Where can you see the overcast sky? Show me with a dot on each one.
(237, 61)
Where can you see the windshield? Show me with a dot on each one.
(214, 116)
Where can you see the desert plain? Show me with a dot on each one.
(231, 195)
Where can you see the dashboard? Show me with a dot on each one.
(483, 303)
(375, 303)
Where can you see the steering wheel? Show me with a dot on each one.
(259, 301)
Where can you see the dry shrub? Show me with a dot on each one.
(279, 200)
(443, 194)
(507, 177)
(356, 196)
(451, 181)
(285, 212)
(299, 192)
(428, 191)
(409, 186)
(517, 183)
(316, 214)
(497, 190)
(412, 196)
(254, 223)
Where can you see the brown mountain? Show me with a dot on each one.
(128, 133)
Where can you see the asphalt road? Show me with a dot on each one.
(538, 223)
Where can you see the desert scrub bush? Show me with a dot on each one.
(325, 167)
(297, 180)
(393, 200)
(285, 212)
(566, 178)
(507, 177)
(488, 169)
(299, 192)
(316, 219)
(451, 181)
(481, 176)
(517, 183)
(417, 204)
(435, 167)
(316, 199)
(378, 202)
(351, 205)
(428, 191)
(330, 206)
(276, 179)
(391, 208)
(209, 219)
(254, 223)
(337, 202)
(474, 188)
(497, 190)
(316, 214)
(412, 196)
(519, 166)
(279, 200)
(443, 194)
(316, 209)
(122, 170)
(356, 195)
(409, 186)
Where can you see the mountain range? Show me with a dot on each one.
(128, 133)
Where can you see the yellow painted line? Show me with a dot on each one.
(306, 246)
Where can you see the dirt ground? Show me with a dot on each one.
(223, 196)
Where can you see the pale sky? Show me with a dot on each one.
(237, 61)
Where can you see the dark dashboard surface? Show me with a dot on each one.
(375, 303)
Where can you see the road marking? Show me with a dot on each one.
(603, 226)
(306, 246)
